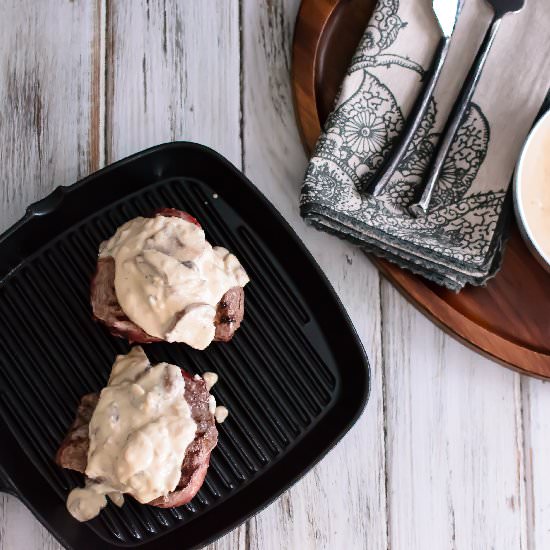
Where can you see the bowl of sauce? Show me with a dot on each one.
(532, 191)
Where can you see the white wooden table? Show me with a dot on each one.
(452, 450)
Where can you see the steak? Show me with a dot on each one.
(73, 451)
(229, 314)
(197, 455)
(106, 308)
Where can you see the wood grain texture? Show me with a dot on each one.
(49, 109)
(48, 102)
(341, 503)
(20, 529)
(536, 415)
(172, 73)
(454, 439)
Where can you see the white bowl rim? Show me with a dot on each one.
(518, 182)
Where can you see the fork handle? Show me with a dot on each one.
(391, 163)
(420, 208)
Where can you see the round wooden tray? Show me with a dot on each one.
(509, 319)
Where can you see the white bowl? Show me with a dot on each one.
(522, 179)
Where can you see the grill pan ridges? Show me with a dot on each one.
(294, 378)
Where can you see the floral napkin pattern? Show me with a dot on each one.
(461, 239)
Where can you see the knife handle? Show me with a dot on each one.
(454, 121)
(391, 163)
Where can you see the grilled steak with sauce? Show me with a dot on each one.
(106, 308)
(73, 451)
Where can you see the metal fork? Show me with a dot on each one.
(446, 13)
(501, 8)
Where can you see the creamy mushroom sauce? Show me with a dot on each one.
(535, 188)
(139, 433)
(169, 279)
(86, 503)
(220, 412)
(210, 378)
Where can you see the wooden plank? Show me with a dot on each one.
(49, 112)
(536, 412)
(49, 103)
(173, 73)
(454, 439)
(341, 503)
(20, 529)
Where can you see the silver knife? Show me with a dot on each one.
(446, 13)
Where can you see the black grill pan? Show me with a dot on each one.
(294, 378)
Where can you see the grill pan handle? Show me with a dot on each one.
(47, 204)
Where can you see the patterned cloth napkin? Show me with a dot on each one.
(462, 238)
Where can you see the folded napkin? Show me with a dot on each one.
(461, 239)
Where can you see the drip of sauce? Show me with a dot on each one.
(220, 414)
(211, 404)
(139, 433)
(169, 279)
(116, 498)
(535, 187)
(86, 503)
(210, 378)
